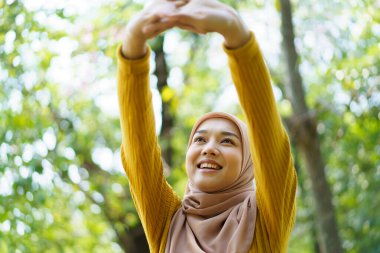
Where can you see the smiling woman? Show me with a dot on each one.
(222, 210)
(214, 157)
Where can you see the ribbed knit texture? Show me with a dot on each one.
(275, 175)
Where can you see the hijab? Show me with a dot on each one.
(222, 221)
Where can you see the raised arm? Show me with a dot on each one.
(270, 148)
(275, 175)
(154, 199)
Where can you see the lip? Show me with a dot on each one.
(208, 171)
(211, 162)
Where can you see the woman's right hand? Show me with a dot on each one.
(149, 23)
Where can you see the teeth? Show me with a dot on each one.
(209, 165)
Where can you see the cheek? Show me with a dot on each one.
(235, 158)
(191, 153)
(190, 157)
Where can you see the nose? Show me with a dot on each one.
(210, 149)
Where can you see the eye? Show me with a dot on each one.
(228, 141)
(199, 139)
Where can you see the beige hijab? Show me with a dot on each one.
(218, 222)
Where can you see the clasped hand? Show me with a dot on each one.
(198, 16)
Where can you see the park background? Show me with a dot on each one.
(62, 186)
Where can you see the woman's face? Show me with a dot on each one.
(214, 157)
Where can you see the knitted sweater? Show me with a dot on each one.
(275, 175)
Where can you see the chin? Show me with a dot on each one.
(207, 188)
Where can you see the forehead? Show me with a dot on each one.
(218, 125)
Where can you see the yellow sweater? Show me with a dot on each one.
(275, 175)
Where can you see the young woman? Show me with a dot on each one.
(222, 210)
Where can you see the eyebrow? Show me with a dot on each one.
(223, 133)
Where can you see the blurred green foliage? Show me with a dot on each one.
(61, 185)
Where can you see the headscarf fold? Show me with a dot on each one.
(222, 221)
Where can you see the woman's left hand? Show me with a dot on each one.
(204, 16)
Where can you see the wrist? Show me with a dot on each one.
(133, 47)
(237, 42)
(237, 34)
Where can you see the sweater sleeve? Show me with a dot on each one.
(275, 175)
(154, 199)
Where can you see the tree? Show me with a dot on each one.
(303, 127)
(61, 133)
(55, 194)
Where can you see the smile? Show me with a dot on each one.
(209, 165)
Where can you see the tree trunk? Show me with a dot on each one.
(303, 126)
(134, 240)
(304, 197)
(167, 117)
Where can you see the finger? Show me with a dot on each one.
(181, 18)
(189, 28)
(179, 1)
(188, 22)
(159, 17)
(179, 4)
(151, 18)
(154, 29)
(185, 27)
(160, 9)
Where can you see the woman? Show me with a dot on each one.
(222, 210)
